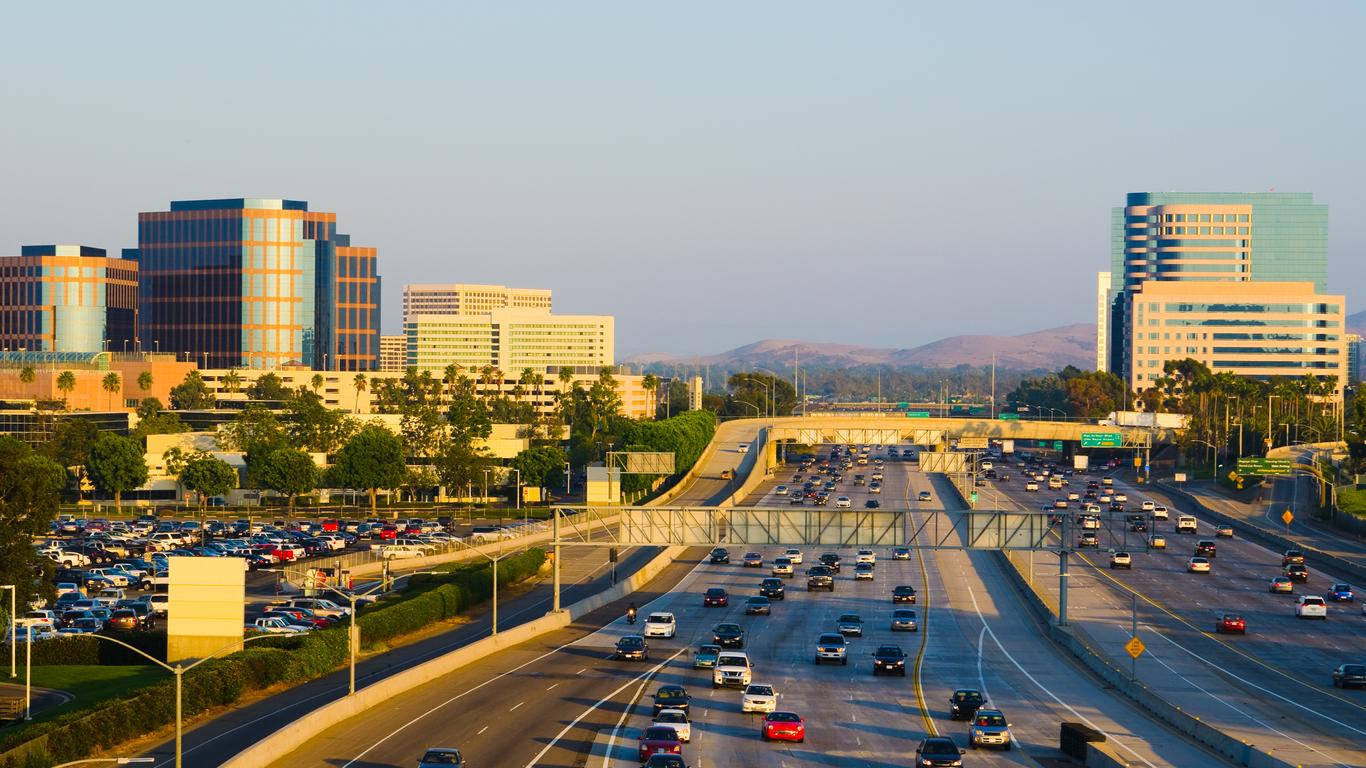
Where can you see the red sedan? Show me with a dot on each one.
(1231, 622)
(659, 740)
(715, 596)
(784, 726)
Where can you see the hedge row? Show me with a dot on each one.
(82, 649)
(686, 435)
(221, 682)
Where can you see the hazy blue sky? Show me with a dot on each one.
(710, 173)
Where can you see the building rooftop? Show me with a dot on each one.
(61, 250)
(235, 203)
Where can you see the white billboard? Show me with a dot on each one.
(206, 606)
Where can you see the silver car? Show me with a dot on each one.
(988, 728)
(904, 620)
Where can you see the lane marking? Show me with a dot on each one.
(581, 671)
(925, 717)
(625, 713)
(552, 687)
(987, 628)
(481, 730)
(515, 706)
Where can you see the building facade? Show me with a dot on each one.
(510, 340)
(1102, 321)
(1260, 330)
(85, 388)
(393, 352)
(463, 299)
(68, 298)
(1353, 359)
(256, 283)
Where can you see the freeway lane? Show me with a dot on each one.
(1270, 687)
(584, 572)
(977, 630)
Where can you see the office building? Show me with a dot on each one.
(1102, 321)
(256, 283)
(461, 299)
(1353, 359)
(88, 370)
(1255, 329)
(509, 340)
(67, 298)
(1205, 241)
(393, 352)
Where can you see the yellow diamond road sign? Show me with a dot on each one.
(1287, 516)
(1135, 647)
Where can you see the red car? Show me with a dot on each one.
(388, 532)
(783, 726)
(1231, 622)
(659, 740)
(715, 596)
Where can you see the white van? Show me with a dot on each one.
(1185, 524)
(744, 447)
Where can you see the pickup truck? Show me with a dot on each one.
(276, 625)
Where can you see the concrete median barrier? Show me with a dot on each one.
(290, 737)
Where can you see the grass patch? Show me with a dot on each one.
(1352, 500)
(92, 684)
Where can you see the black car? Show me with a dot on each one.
(1349, 675)
(715, 596)
(728, 636)
(819, 577)
(890, 659)
(938, 751)
(672, 697)
(720, 555)
(1297, 572)
(832, 561)
(872, 504)
(964, 703)
(1204, 548)
(632, 647)
(772, 588)
(903, 594)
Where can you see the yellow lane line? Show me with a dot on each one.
(924, 629)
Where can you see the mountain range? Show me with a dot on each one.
(1048, 349)
(1357, 323)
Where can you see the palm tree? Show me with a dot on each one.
(651, 382)
(145, 380)
(359, 383)
(111, 384)
(317, 381)
(27, 375)
(66, 382)
(232, 381)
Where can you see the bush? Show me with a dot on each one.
(686, 434)
(265, 663)
(79, 649)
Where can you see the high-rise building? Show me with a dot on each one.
(462, 299)
(1206, 240)
(256, 283)
(68, 298)
(1102, 321)
(393, 352)
(510, 340)
(1258, 329)
(1353, 358)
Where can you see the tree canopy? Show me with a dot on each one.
(116, 464)
(370, 460)
(192, 394)
(30, 484)
(207, 476)
(288, 471)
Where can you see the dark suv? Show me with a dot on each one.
(903, 594)
(1204, 548)
(890, 659)
(832, 561)
(720, 555)
(819, 577)
(772, 588)
(964, 703)
(938, 751)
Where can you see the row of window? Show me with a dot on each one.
(1207, 217)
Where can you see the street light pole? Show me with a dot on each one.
(13, 625)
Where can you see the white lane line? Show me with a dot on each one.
(1226, 671)
(981, 679)
(625, 713)
(987, 627)
(552, 687)
(643, 676)
(515, 706)
(1242, 712)
(581, 671)
(481, 730)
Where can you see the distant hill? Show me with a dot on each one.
(1357, 323)
(1048, 349)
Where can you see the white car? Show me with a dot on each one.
(781, 490)
(321, 606)
(782, 566)
(843, 501)
(63, 587)
(1186, 524)
(676, 719)
(1199, 565)
(1149, 506)
(795, 555)
(1159, 512)
(116, 577)
(1121, 498)
(866, 556)
(1031, 486)
(759, 697)
(660, 625)
(1090, 523)
(1311, 607)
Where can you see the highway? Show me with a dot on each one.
(1271, 687)
(561, 700)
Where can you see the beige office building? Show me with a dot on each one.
(510, 340)
(393, 352)
(463, 299)
(1256, 329)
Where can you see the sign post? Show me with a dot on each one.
(1288, 517)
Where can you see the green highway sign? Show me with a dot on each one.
(1101, 440)
(917, 414)
(1257, 465)
(1010, 416)
(1057, 445)
(903, 406)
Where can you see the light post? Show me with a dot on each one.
(566, 478)
(1213, 448)
(484, 497)
(757, 413)
(767, 391)
(1269, 438)
(353, 633)
(13, 624)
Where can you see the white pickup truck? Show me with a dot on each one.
(276, 625)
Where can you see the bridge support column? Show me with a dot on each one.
(555, 560)
(1062, 567)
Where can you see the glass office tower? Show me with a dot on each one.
(68, 298)
(247, 282)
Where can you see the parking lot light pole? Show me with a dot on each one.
(353, 632)
(13, 625)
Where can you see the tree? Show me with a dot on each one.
(27, 374)
(152, 420)
(313, 426)
(192, 394)
(256, 429)
(460, 464)
(111, 383)
(289, 471)
(468, 414)
(358, 383)
(66, 382)
(206, 475)
(70, 442)
(537, 464)
(30, 484)
(317, 381)
(268, 387)
(116, 464)
(232, 381)
(650, 382)
(751, 394)
(145, 380)
(370, 460)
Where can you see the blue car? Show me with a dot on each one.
(1341, 593)
(705, 656)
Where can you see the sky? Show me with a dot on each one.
(879, 173)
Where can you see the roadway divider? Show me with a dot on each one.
(290, 737)
(1076, 642)
(1268, 538)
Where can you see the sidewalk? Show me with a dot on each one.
(1265, 513)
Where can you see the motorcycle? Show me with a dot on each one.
(630, 616)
